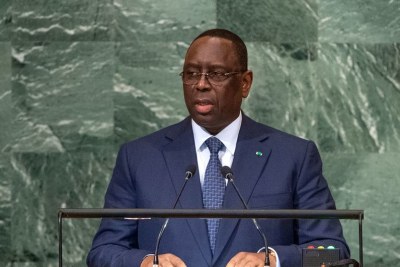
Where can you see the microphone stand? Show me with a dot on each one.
(227, 173)
(189, 174)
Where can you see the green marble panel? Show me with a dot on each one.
(6, 127)
(369, 181)
(5, 208)
(17, 132)
(5, 20)
(72, 20)
(154, 20)
(64, 93)
(284, 21)
(282, 94)
(50, 263)
(46, 182)
(350, 85)
(359, 21)
(147, 90)
(5, 93)
(359, 97)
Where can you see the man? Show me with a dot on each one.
(273, 170)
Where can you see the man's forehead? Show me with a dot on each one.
(211, 52)
(208, 45)
(204, 40)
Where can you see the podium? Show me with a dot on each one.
(133, 214)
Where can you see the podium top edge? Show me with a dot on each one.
(206, 213)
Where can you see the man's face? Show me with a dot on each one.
(215, 106)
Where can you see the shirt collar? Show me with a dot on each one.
(228, 135)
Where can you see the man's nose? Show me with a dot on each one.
(203, 83)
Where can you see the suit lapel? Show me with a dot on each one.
(178, 155)
(251, 156)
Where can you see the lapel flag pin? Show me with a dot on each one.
(259, 153)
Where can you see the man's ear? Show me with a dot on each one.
(247, 80)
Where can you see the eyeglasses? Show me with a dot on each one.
(214, 77)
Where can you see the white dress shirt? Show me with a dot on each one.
(228, 136)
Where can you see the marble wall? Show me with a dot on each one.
(80, 77)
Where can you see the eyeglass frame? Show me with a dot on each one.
(199, 75)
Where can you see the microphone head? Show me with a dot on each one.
(227, 172)
(190, 170)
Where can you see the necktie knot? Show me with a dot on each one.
(214, 145)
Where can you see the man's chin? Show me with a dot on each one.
(202, 119)
(208, 123)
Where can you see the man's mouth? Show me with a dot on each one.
(203, 106)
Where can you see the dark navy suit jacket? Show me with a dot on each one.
(149, 173)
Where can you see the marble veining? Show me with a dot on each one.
(79, 78)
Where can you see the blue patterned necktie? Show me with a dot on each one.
(214, 187)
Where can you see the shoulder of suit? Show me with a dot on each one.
(161, 136)
(272, 133)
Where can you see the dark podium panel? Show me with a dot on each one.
(139, 214)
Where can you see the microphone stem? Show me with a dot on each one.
(267, 261)
(180, 192)
(155, 261)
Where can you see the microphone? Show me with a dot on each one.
(227, 173)
(190, 171)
